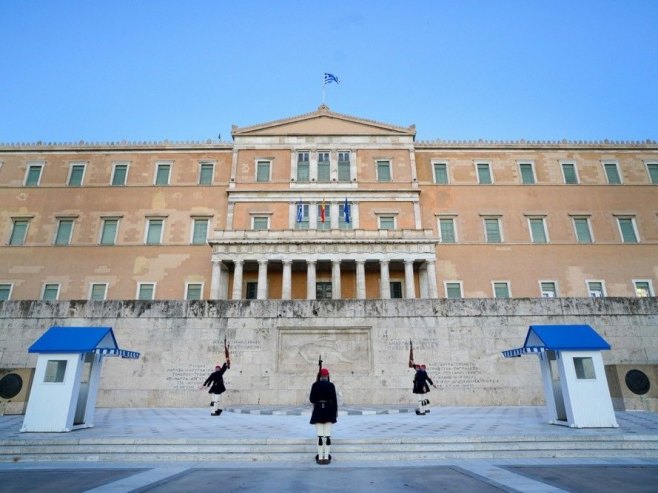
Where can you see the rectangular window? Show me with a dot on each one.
(302, 220)
(109, 231)
(263, 171)
(200, 231)
(344, 166)
(396, 290)
(324, 216)
(538, 230)
(584, 368)
(342, 222)
(5, 292)
(206, 173)
(453, 290)
(98, 291)
(582, 229)
(323, 167)
(527, 173)
(162, 174)
(569, 173)
(145, 291)
(303, 166)
(18, 231)
(627, 229)
(484, 174)
(119, 175)
(447, 230)
(501, 289)
(50, 292)
(33, 176)
(251, 290)
(440, 173)
(652, 169)
(492, 230)
(383, 171)
(323, 290)
(76, 174)
(612, 173)
(548, 289)
(193, 291)
(260, 223)
(55, 371)
(64, 231)
(154, 231)
(386, 222)
(643, 289)
(595, 289)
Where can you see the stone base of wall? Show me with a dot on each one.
(275, 346)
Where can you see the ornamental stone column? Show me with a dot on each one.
(384, 281)
(433, 291)
(409, 279)
(215, 279)
(310, 279)
(360, 279)
(335, 279)
(286, 286)
(262, 280)
(237, 281)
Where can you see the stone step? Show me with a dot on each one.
(295, 450)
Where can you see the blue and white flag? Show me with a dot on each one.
(329, 78)
(347, 213)
(300, 211)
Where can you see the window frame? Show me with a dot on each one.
(650, 291)
(147, 233)
(487, 165)
(542, 291)
(119, 165)
(187, 290)
(139, 289)
(306, 165)
(533, 220)
(205, 165)
(27, 182)
(385, 163)
(633, 224)
(305, 223)
(342, 224)
(104, 222)
(256, 217)
(574, 219)
(12, 239)
(521, 166)
(611, 164)
(499, 227)
(326, 225)
(160, 165)
(91, 290)
(193, 232)
(342, 165)
(459, 284)
(9, 290)
(575, 172)
(60, 221)
(263, 162)
(73, 165)
(453, 222)
(590, 291)
(49, 285)
(323, 167)
(508, 287)
(387, 216)
(649, 165)
(436, 163)
(327, 287)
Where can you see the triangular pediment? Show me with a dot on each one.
(323, 122)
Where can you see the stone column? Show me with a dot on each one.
(384, 281)
(409, 279)
(215, 279)
(360, 279)
(422, 280)
(237, 280)
(335, 279)
(312, 215)
(262, 280)
(432, 289)
(310, 279)
(286, 287)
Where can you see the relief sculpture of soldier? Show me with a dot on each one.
(325, 411)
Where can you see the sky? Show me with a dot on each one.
(150, 70)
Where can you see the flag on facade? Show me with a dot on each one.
(323, 208)
(329, 78)
(347, 214)
(300, 211)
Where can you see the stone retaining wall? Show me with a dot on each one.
(365, 344)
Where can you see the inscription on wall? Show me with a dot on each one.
(459, 376)
(345, 350)
(187, 377)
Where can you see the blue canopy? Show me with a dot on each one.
(559, 338)
(80, 340)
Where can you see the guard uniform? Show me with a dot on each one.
(217, 387)
(422, 383)
(325, 411)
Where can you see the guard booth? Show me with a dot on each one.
(573, 375)
(66, 378)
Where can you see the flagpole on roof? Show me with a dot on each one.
(324, 85)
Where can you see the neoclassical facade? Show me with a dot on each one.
(328, 206)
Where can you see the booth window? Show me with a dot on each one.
(55, 370)
(584, 368)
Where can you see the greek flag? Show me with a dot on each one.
(347, 213)
(300, 211)
(329, 78)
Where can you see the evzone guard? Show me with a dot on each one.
(422, 383)
(325, 411)
(216, 382)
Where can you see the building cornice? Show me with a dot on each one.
(522, 144)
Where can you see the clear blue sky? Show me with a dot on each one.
(187, 70)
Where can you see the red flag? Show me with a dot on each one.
(322, 209)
